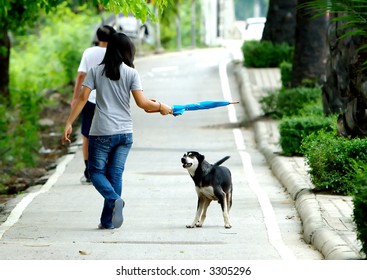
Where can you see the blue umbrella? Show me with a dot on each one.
(180, 109)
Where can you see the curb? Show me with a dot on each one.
(315, 232)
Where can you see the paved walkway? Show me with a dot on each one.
(327, 219)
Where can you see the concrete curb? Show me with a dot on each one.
(315, 232)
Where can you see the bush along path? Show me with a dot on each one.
(51, 122)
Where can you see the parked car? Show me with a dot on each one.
(254, 28)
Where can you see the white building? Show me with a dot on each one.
(218, 21)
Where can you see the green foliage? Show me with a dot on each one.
(269, 104)
(50, 58)
(17, 14)
(168, 24)
(25, 146)
(139, 8)
(301, 113)
(351, 15)
(19, 137)
(294, 130)
(4, 123)
(266, 54)
(360, 205)
(45, 60)
(286, 73)
(332, 161)
(290, 102)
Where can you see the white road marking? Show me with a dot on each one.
(227, 91)
(18, 210)
(273, 231)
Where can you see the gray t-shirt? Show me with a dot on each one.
(112, 114)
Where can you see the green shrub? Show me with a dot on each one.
(24, 147)
(291, 102)
(286, 73)
(293, 130)
(313, 109)
(46, 58)
(360, 205)
(269, 104)
(265, 54)
(332, 160)
(50, 58)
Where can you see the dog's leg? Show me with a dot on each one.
(206, 203)
(229, 201)
(223, 203)
(227, 207)
(198, 213)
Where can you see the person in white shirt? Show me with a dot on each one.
(91, 57)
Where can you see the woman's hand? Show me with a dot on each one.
(67, 132)
(165, 109)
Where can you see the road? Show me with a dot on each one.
(59, 220)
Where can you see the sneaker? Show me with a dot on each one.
(85, 181)
(117, 217)
(100, 226)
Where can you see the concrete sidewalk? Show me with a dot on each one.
(327, 219)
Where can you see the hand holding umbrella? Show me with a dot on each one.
(203, 105)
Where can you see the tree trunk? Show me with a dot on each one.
(345, 87)
(4, 66)
(280, 23)
(310, 48)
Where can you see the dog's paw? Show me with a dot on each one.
(190, 226)
(228, 226)
(199, 225)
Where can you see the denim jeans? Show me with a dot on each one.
(106, 164)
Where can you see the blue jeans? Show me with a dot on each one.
(106, 164)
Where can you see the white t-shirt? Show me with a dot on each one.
(91, 57)
(112, 114)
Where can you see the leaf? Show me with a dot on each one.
(84, 253)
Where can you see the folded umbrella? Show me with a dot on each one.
(203, 105)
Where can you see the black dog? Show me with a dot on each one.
(212, 182)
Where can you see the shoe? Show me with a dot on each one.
(85, 181)
(117, 217)
(100, 226)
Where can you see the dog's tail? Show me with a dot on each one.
(219, 162)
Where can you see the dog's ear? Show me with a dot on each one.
(201, 157)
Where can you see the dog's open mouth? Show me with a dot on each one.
(186, 165)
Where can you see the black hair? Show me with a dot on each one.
(104, 33)
(120, 49)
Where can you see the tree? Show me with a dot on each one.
(344, 90)
(17, 14)
(310, 41)
(280, 23)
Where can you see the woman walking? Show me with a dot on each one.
(111, 134)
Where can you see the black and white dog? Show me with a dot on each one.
(212, 182)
